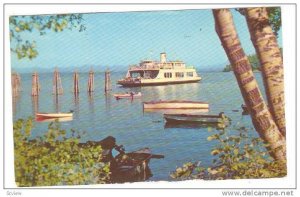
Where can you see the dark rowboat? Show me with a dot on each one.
(197, 119)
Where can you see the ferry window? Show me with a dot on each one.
(190, 74)
(179, 74)
(168, 75)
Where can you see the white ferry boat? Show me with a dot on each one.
(150, 72)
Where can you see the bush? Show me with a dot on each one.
(237, 157)
(54, 159)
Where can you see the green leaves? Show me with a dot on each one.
(235, 151)
(253, 59)
(54, 159)
(274, 14)
(184, 172)
(43, 24)
(236, 157)
(215, 151)
(213, 137)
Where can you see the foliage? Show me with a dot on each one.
(238, 156)
(42, 24)
(54, 159)
(274, 14)
(227, 68)
(253, 61)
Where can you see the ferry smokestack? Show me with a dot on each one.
(163, 57)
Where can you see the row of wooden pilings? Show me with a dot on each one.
(57, 83)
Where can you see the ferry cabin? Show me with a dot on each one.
(150, 72)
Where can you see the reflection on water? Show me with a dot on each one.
(76, 105)
(56, 103)
(15, 103)
(76, 99)
(35, 104)
(189, 91)
(91, 102)
(107, 101)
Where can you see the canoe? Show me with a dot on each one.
(53, 115)
(175, 104)
(128, 95)
(191, 118)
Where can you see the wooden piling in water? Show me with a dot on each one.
(91, 82)
(76, 83)
(107, 87)
(57, 86)
(35, 89)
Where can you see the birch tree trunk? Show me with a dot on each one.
(260, 114)
(270, 58)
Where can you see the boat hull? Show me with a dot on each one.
(63, 119)
(139, 84)
(190, 120)
(193, 125)
(175, 105)
(220, 121)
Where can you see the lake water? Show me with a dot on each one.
(101, 115)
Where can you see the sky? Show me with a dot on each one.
(116, 40)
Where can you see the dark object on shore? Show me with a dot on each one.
(125, 167)
(133, 166)
(245, 109)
